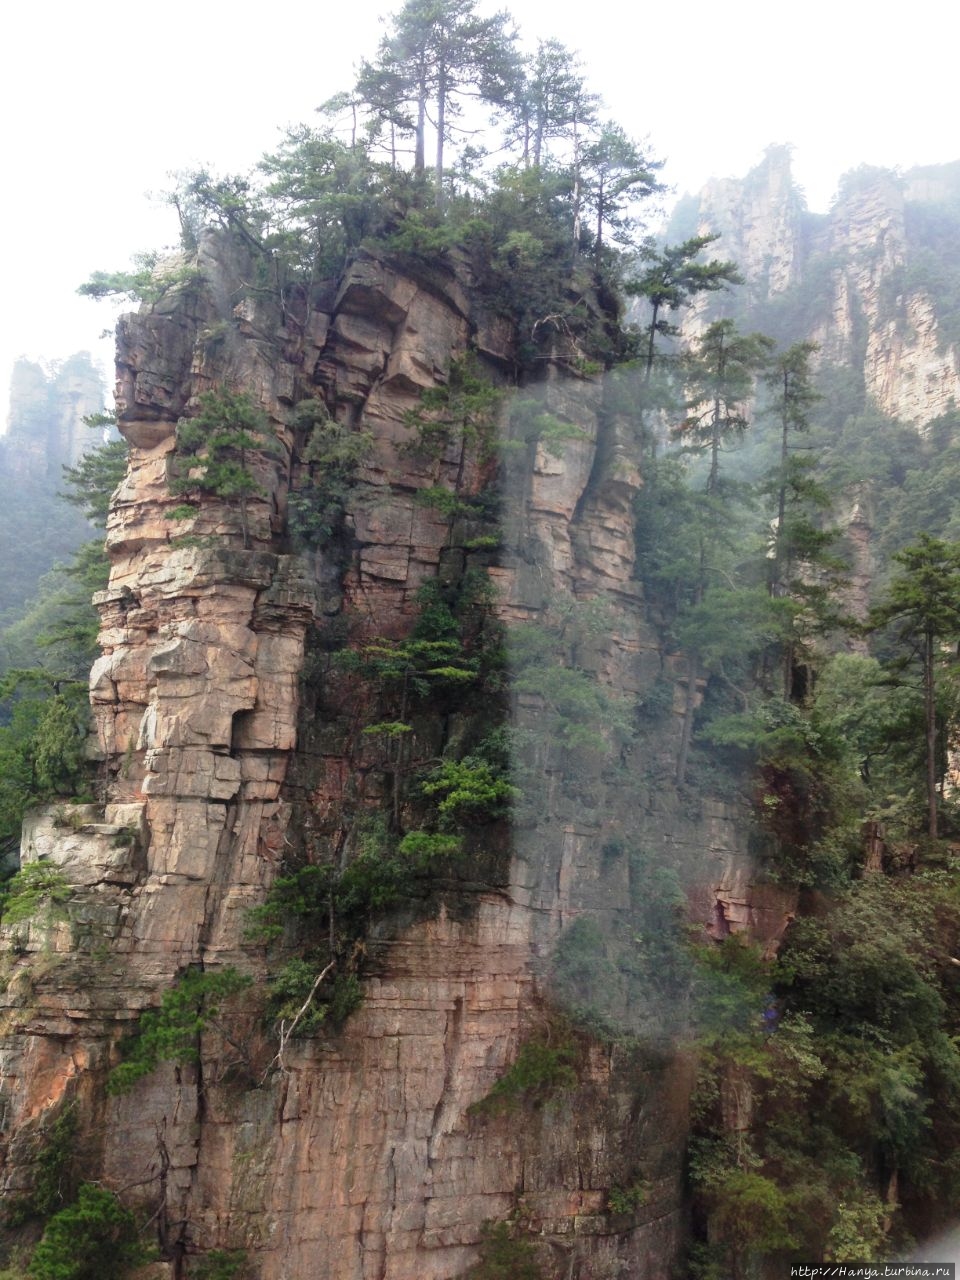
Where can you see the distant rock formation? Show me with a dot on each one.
(45, 427)
(874, 281)
(45, 432)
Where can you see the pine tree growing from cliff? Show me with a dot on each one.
(799, 563)
(215, 449)
(616, 173)
(547, 95)
(721, 371)
(673, 276)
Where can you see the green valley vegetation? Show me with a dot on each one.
(836, 726)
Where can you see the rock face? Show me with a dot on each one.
(862, 277)
(361, 1156)
(759, 221)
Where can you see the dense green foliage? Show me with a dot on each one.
(922, 607)
(331, 455)
(219, 1264)
(216, 450)
(45, 659)
(548, 212)
(36, 886)
(54, 1177)
(41, 745)
(92, 1239)
(505, 1254)
(846, 1092)
(385, 856)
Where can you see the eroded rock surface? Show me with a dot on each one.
(364, 1158)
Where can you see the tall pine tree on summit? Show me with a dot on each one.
(436, 53)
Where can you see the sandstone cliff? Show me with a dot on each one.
(220, 756)
(866, 281)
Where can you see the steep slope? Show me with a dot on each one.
(224, 757)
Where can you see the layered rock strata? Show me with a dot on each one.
(361, 1155)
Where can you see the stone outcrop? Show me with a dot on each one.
(363, 1157)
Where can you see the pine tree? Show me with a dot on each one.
(324, 198)
(547, 97)
(216, 447)
(673, 277)
(437, 52)
(789, 377)
(720, 377)
(721, 370)
(922, 606)
(616, 173)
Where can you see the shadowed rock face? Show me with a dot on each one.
(361, 1160)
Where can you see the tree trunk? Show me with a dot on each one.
(600, 212)
(576, 190)
(653, 333)
(714, 476)
(781, 504)
(689, 706)
(441, 126)
(693, 678)
(420, 147)
(244, 522)
(930, 718)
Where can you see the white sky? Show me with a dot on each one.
(101, 100)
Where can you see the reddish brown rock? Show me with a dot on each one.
(363, 1159)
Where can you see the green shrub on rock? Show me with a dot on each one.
(93, 1239)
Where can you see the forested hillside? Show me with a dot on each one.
(519, 832)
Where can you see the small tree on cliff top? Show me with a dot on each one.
(215, 449)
